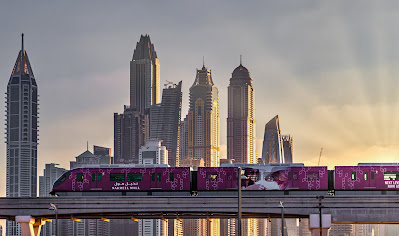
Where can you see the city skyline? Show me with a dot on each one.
(328, 53)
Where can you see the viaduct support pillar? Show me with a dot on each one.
(29, 225)
(314, 224)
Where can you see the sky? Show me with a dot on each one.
(327, 68)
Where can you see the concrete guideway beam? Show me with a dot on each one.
(29, 225)
(314, 224)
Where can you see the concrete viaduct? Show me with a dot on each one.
(31, 212)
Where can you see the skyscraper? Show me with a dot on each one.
(144, 76)
(203, 119)
(129, 136)
(288, 148)
(21, 135)
(184, 138)
(241, 117)
(272, 144)
(165, 121)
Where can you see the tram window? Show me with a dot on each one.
(372, 175)
(171, 178)
(99, 177)
(269, 178)
(366, 175)
(117, 176)
(93, 177)
(134, 177)
(152, 176)
(312, 176)
(159, 176)
(353, 175)
(295, 175)
(63, 178)
(79, 177)
(213, 176)
(391, 175)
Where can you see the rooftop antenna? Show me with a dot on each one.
(203, 61)
(22, 41)
(87, 143)
(240, 60)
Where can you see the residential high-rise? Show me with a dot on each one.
(129, 136)
(241, 132)
(287, 147)
(241, 117)
(203, 119)
(165, 121)
(21, 135)
(183, 139)
(144, 76)
(50, 174)
(104, 154)
(272, 144)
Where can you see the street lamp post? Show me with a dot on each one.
(55, 208)
(239, 202)
(282, 218)
(320, 216)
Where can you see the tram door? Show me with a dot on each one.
(156, 180)
(295, 179)
(95, 178)
(368, 177)
(229, 179)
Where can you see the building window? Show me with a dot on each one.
(79, 177)
(117, 176)
(134, 177)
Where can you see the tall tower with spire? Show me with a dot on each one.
(144, 76)
(241, 117)
(21, 135)
(203, 119)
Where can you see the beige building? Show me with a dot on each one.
(203, 119)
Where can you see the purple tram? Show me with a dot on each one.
(161, 180)
(120, 180)
(367, 178)
(258, 178)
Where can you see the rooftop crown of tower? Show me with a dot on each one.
(203, 77)
(22, 65)
(144, 49)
